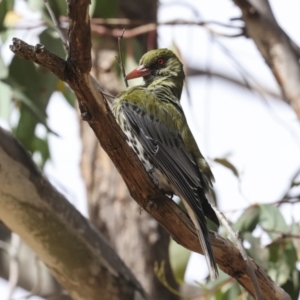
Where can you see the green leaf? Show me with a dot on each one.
(67, 92)
(273, 252)
(282, 261)
(42, 147)
(271, 220)
(5, 7)
(223, 287)
(259, 254)
(21, 96)
(32, 88)
(6, 34)
(36, 5)
(295, 183)
(292, 285)
(179, 257)
(290, 255)
(106, 8)
(232, 293)
(225, 163)
(51, 40)
(3, 11)
(60, 7)
(249, 219)
(280, 273)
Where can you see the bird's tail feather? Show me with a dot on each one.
(203, 235)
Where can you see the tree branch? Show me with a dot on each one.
(33, 275)
(190, 71)
(237, 238)
(279, 51)
(94, 108)
(73, 250)
(96, 111)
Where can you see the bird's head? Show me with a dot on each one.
(159, 64)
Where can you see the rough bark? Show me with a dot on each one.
(279, 51)
(135, 235)
(76, 254)
(95, 110)
(33, 275)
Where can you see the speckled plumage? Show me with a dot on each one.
(156, 128)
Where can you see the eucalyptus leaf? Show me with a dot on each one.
(36, 5)
(179, 257)
(282, 260)
(6, 34)
(249, 219)
(291, 286)
(259, 254)
(290, 255)
(33, 87)
(67, 93)
(51, 40)
(42, 146)
(3, 11)
(227, 164)
(232, 293)
(272, 220)
(106, 8)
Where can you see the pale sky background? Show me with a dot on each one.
(260, 136)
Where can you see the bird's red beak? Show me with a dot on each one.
(140, 71)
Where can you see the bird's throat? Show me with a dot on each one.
(166, 88)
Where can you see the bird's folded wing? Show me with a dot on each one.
(167, 150)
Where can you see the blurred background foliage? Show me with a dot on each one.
(25, 93)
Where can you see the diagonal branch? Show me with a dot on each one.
(76, 254)
(95, 110)
(279, 51)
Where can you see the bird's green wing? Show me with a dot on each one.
(155, 124)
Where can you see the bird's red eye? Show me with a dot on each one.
(160, 61)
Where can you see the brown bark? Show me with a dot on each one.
(134, 234)
(33, 275)
(95, 110)
(75, 253)
(279, 51)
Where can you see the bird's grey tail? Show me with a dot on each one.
(203, 235)
(199, 221)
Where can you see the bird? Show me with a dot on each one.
(156, 128)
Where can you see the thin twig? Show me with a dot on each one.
(128, 22)
(282, 235)
(120, 57)
(236, 237)
(62, 36)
